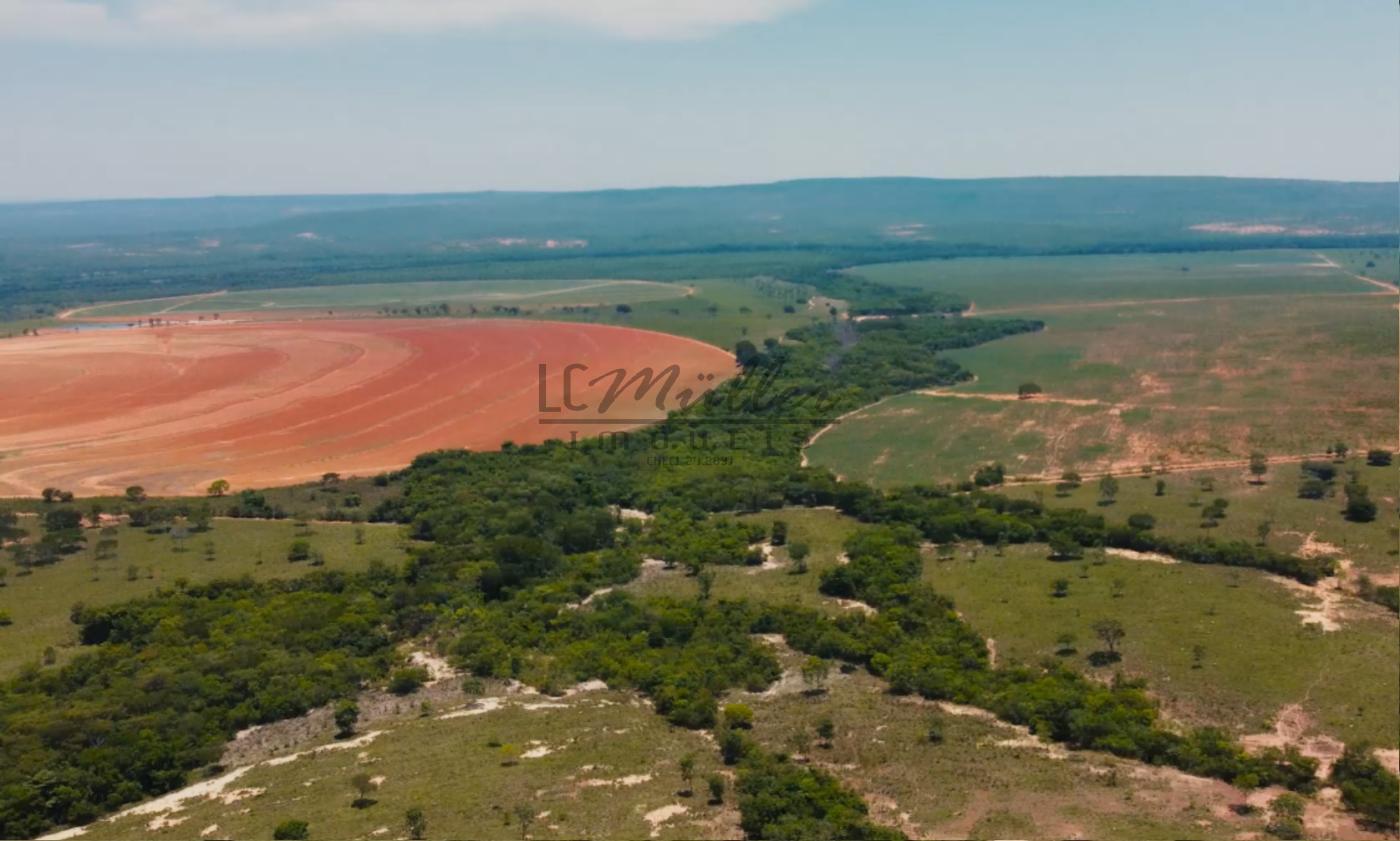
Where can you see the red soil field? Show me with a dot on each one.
(262, 404)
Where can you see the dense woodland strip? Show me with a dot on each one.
(510, 539)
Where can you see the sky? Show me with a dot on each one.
(126, 98)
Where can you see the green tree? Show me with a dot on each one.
(135, 493)
(746, 353)
(292, 830)
(1064, 547)
(1059, 588)
(686, 766)
(1110, 632)
(363, 785)
(407, 680)
(347, 713)
(1258, 466)
(738, 716)
(218, 487)
(815, 671)
(1108, 490)
(779, 533)
(826, 730)
(1359, 508)
(717, 784)
(415, 823)
(1027, 390)
(705, 579)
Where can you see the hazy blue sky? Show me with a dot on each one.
(192, 97)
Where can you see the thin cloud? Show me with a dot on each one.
(242, 21)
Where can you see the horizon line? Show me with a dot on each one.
(674, 186)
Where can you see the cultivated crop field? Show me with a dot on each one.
(1127, 383)
(1048, 283)
(373, 297)
(175, 408)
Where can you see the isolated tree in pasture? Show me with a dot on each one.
(524, 817)
(716, 784)
(1161, 489)
(1110, 632)
(347, 713)
(363, 785)
(1379, 458)
(1312, 489)
(1108, 490)
(218, 487)
(135, 493)
(815, 671)
(415, 823)
(1069, 480)
(1359, 508)
(1059, 588)
(1263, 530)
(291, 830)
(798, 551)
(826, 731)
(1258, 466)
(779, 533)
(686, 766)
(1340, 450)
(1026, 391)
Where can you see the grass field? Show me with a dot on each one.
(1043, 283)
(39, 603)
(823, 531)
(720, 311)
(1258, 656)
(717, 310)
(985, 779)
(1130, 383)
(1379, 263)
(590, 765)
(457, 295)
(1297, 524)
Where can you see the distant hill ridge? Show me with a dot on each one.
(857, 211)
